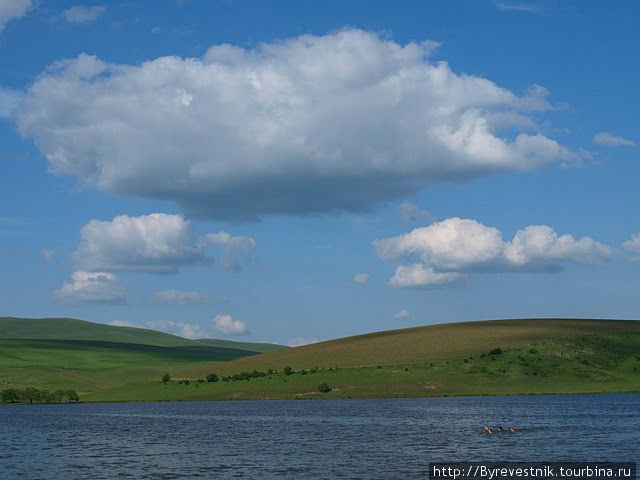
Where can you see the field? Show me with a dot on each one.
(504, 357)
(73, 354)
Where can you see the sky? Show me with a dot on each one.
(299, 171)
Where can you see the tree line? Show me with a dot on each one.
(33, 395)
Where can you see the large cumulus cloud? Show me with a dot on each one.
(443, 251)
(342, 121)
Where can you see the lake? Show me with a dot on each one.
(353, 439)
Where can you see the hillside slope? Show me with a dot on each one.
(430, 343)
(73, 329)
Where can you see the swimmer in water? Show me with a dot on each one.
(511, 429)
(486, 429)
(499, 429)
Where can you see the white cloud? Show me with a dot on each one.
(230, 244)
(343, 121)
(181, 329)
(83, 13)
(47, 255)
(149, 243)
(516, 7)
(419, 276)
(633, 246)
(157, 243)
(402, 314)
(444, 249)
(12, 10)
(227, 325)
(411, 213)
(610, 140)
(300, 341)
(122, 323)
(361, 278)
(180, 297)
(91, 287)
(9, 101)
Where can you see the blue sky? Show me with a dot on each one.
(313, 170)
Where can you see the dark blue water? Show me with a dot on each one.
(358, 439)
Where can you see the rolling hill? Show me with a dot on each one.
(68, 353)
(73, 329)
(497, 357)
(430, 343)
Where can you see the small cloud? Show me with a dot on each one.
(411, 213)
(609, 140)
(230, 245)
(122, 323)
(83, 13)
(180, 297)
(402, 314)
(181, 329)
(91, 287)
(361, 278)
(633, 246)
(227, 325)
(516, 7)
(47, 255)
(299, 341)
(12, 10)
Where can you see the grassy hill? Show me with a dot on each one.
(503, 357)
(430, 343)
(68, 353)
(73, 329)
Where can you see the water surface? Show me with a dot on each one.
(357, 439)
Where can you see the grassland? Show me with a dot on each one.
(535, 356)
(66, 353)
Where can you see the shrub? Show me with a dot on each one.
(10, 395)
(287, 370)
(212, 378)
(166, 378)
(72, 396)
(324, 388)
(495, 351)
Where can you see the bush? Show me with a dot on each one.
(212, 378)
(324, 388)
(495, 351)
(166, 378)
(287, 370)
(10, 395)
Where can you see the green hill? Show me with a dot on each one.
(429, 343)
(73, 329)
(499, 357)
(68, 353)
(251, 346)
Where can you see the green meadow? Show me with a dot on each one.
(505, 357)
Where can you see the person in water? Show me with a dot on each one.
(511, 429)
(486, 429)
(499, 429)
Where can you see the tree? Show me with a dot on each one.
(30, 394)
(72, 396)
(10, 395)
(324, 388)
(212, 378)
(287, 370)
(166, 378)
